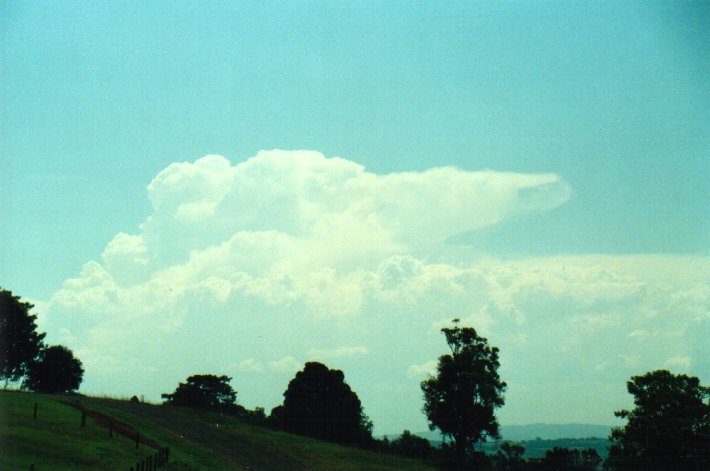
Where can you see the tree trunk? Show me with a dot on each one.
(460, 451)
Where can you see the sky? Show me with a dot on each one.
(241, 187)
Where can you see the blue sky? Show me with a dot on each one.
(592, 118)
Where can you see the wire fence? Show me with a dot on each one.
(152, 462)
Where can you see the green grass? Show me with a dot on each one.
(197, 440)
(189, 454)
(314, 454)
(55, 440)
(241, 445)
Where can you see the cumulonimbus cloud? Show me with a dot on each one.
(243, 269)
(331, 209)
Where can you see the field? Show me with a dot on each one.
(197, 439)
(55, 439)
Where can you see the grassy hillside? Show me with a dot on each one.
(55, 439)
(197, 439)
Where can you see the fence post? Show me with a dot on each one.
(167, 454)
(110, 430)
(83, 418)
(32, 467)
(138, 438)
(34, 415)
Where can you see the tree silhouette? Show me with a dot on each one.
(461, 398)
(510, 457)
(318, 403)
(590, 459)
(55, 371)
(562, 459)
(410, 445)
(20, 343)
(204, 392)
(668, 429)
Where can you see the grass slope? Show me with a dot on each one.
(55, 439)
(197, 440)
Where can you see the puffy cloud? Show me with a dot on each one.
(93, 292)
(251, 365)
(186, 184)
(124, 246)
(329, 354)
(323, 204)
(678, 363)
(285, 365)
(419, 371)
(246, 267)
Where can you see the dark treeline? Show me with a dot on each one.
(669, 428)
(25, 357)
(507, 457)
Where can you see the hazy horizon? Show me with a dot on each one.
(241, 187)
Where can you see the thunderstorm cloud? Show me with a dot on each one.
(252, 269)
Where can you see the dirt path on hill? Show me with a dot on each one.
(236, 449)
(118, 427)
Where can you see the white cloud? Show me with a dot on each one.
(187, 184)
(641, 334)
(425, 369)
(678, 364)
(93, 292)
(66, 337)
(286, 365)
(124, 246)
(329, 354)
(251, 365)
(267, 258)
(324, 204)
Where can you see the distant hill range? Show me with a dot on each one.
(538, 438)
(519, 433)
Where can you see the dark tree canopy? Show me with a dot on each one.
(204, 392)
(320, 404)
(570, 459)
(461, 398)
(668, 429)
(512, 452)
(55, 371)
(20, 343)
(410, 445)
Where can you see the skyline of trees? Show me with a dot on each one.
(319, 403)
(24, 355)
(20, 343)
(460, 400)
(669, 426)
(205, 391)
(55, 370)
